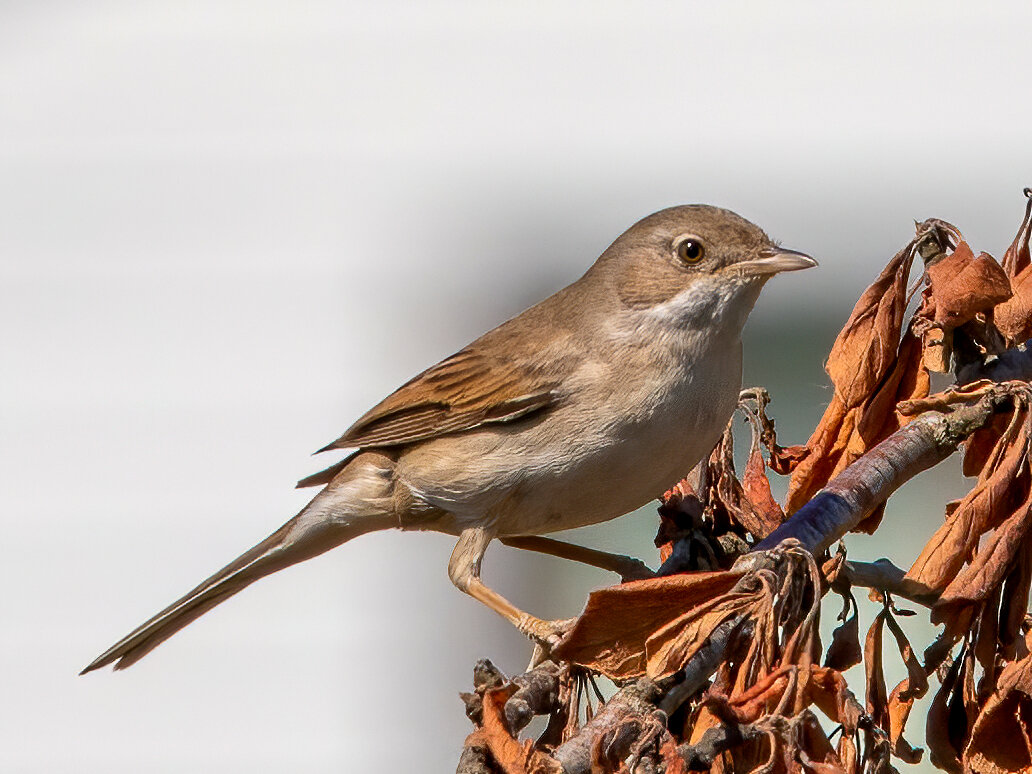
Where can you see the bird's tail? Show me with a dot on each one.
(356, 501)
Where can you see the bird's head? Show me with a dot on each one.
(696, 264)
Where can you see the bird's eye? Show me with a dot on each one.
(690, 250)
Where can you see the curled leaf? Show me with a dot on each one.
(845, 651)
(963, 285)
(610, 635)
(865, 349)
(757, 491)
(1001, 739)
(1014, 317)
(985, 506)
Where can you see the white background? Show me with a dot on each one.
(227, 229)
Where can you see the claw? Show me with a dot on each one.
(545, 634)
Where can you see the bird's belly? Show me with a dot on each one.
(577, 464)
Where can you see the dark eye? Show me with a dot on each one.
(690, 250)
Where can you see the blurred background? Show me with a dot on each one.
(229, 228)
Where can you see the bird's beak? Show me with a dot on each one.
(775, 260)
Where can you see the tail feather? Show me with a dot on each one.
(322, 525)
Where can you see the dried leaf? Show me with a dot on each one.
(1014, 317)
(844, 651)
(865, 349)
(990, 566)
(827, 446)
(899, 711)
(982, 508)
(986, 641)
(785, 459)
(944, 732)
(757, 491)
(510, 755)
(901, 700)
(944, 401)
(844, 435)
(876, 696)
(980, 444)
(671, 757)
(1016, 259)
(611, 634)
(670, 647)
(907, 381)
(1014, 603)
(1000, 739)
(963, 286)
(916, 684)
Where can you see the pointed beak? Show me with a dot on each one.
(775, 260)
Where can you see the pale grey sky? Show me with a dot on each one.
(228, 228)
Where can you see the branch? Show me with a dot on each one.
(855, 492)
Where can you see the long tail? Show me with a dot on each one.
(352, 505)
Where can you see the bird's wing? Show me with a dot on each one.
(465, 391)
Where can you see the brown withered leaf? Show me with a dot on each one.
(814, 750)
(670, 647)
(907, 381)
(986, 642)
(827, 445)
(946, 729)
(943, 401)
(981, 443)
(782, 459)
(785, 459)
(844, 435)
(511, 755)
(989, 501)
(901, 699)
(671, 757)
(990, 566)
(1014, 317)
(610, 635)
(891, 710)
(963, 285)
(865, 349)
(757, 491)
(876, 695)
(1014, 604)
(1001, 739)
(845, 651)
(1016, 259)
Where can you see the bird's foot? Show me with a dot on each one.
(545, 635)
(635, 569)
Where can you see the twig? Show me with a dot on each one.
(701, 666)
(634, 704)
(883, 575)
(717, 740)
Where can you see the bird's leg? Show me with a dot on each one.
(627, 567)
(464, 571)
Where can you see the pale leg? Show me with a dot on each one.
(464, 571)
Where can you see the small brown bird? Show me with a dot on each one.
(580, 409)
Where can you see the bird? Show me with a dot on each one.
(578, 410)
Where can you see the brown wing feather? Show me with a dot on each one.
(463, 392)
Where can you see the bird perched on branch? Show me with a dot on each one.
(580, 409)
